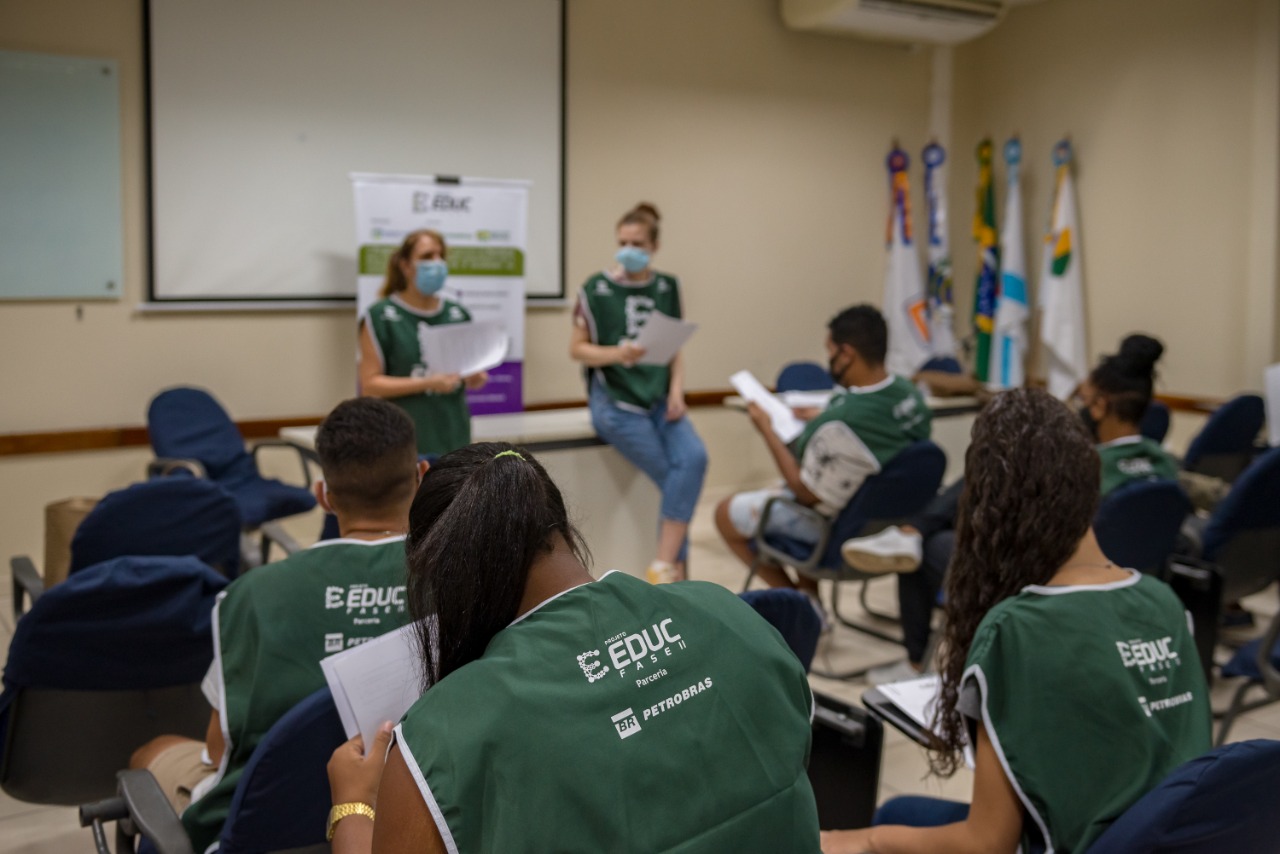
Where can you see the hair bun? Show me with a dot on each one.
(1139, 354)
(647, 209)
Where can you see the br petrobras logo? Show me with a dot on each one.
(592, 667)
(625, 723)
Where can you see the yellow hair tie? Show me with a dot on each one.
(508, 454)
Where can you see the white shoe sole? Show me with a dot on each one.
(879, 564)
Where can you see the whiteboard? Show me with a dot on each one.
(60, 219)
(261, 108)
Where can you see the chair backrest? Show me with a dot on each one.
(282, 799)
(1155, 422)
(803, 376)
(171, 516)
(102, 662)
(1137, 525)
(1243, 535)
(943, 364)
(188, 423)
(1222, 801)
(1225, 446)
(901, 489)
(792, 614)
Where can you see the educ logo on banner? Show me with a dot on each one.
(424, 202)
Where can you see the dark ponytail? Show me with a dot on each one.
(1127, 379)
(482, 515)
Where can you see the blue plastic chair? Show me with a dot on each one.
(1225, 447)
(901, 489)
(282, 799)
(102, 663)
(1137, 525)
(803, 376)
(190, 429)
(943, 364)
(1217, 803)
(172, 516)
(1243, 534)
(793, 615)
(1155, 421)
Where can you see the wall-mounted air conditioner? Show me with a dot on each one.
(931, 21)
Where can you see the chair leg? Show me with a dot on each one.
(862, 600)
(856, 626)
(751, 573)
(1233, 711)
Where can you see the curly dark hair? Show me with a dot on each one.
(1031, 488)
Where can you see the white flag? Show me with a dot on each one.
(1062, 317)
(1009, 336)
(938, 291)
(904, 306)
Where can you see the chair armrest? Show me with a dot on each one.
(151, 814)
(274, 533)
(1270, 674)
(306, 456)
(165, 466)
(26, 579)
(819, 548)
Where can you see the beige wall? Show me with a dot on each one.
(762, 147)
(1173, 107)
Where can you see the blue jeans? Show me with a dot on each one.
(670, 453)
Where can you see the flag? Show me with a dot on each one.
(984, 289)
(1009, 337)
(938, 293)
(904, 307)
(1062, 317)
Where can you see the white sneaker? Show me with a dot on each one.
(891, 550)
(899, 671)
(661, 572)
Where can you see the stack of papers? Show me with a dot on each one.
(464, 348)
(375, 682)
(662, 337)
(784, 422)
(918, 700)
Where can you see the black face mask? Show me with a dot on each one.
(836, 375)
(1090, 423)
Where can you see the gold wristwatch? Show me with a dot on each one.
(341, 811)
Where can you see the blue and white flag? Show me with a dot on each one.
(1009, 336)
(939, 298)
(904, 309)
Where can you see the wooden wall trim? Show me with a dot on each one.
(111, 438)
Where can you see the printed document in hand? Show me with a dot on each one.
(464, 348)
(784, 421)
(917, 698)
(374, 682)
(662, 337)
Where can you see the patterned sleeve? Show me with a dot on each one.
(835, 464)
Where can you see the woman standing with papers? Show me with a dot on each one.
(636, 407)
(393, 360)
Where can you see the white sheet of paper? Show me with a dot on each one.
(374, 682)
(662, 337)
(784, 421)
(464, 348)
(917, 699)
(806, 399)
(1272, 385)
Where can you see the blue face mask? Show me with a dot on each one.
(431, 276)
(632, 258)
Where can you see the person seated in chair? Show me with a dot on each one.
(1076, 682)
(869, 421)
(274, 624)
(1112, 401)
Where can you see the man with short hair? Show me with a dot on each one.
(275, 623)
(869, 420)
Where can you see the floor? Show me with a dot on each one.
(32, 829)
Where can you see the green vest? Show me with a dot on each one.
(621, 716)
(1094, 695)
(1124, 461)
(886, 417)
(615, 311)
(442, 421)
(274, 624)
